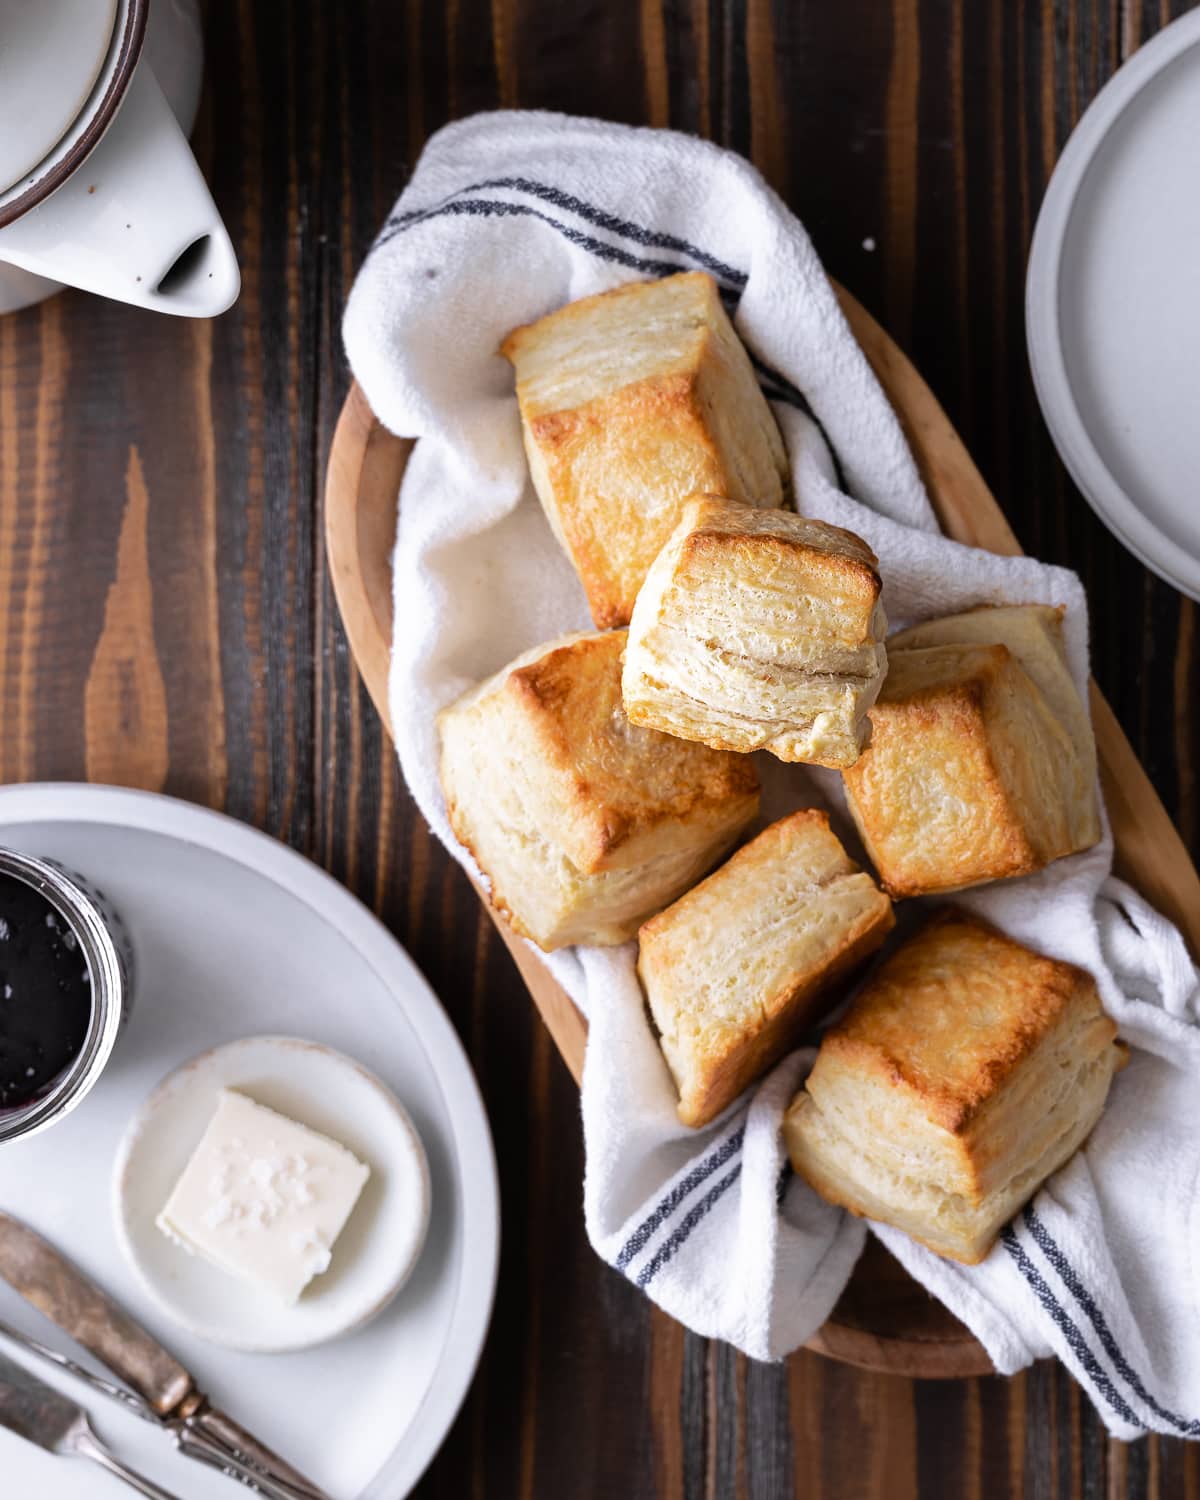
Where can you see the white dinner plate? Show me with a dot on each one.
(237, 935)
(1112, 304)
(376, 1251)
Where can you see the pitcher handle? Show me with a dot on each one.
(135, 221)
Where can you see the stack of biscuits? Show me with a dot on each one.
(605, 783)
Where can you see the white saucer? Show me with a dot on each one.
(237, 935)
(318, 1087)
(1112, 304)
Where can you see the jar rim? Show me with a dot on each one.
(87, 922)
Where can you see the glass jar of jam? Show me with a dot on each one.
(66, 977)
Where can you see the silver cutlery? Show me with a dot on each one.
(154, 1384)
(40, 1414)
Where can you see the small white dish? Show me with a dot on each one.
(318, 1087)
(1112, 304)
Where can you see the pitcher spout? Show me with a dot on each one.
(136, 221)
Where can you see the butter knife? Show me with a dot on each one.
(59, 1290)
(40, 1414)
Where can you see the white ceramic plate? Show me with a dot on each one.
(236, 935)
(1112, 304)
(373, 1256)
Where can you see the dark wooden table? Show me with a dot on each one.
(166, 619)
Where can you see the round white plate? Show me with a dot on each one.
(237, 935)
(1112, 304)
(318, 1087)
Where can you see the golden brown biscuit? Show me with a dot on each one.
(966, 1072)
(739, 966)
(969, 776)
(583, 823)
(630, 402)
(1034, 635)
(758, 630)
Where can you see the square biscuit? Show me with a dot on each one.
(758, 630)
(737, 968)
(969, 776)
(1034, 635)
(583, 823)
(631, 401)
(967, 1071)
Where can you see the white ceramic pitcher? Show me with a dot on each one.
(98, 186)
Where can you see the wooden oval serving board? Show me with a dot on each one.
(884, 1320)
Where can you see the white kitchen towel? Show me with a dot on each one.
(506, 217)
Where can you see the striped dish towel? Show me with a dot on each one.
(506, 217)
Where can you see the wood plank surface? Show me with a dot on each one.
(166, 618)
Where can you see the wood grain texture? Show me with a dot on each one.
(313, 114)
(124, 703)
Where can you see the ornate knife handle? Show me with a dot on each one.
(195, 1445)
(217, 1443)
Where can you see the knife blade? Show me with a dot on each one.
(34, 1410)
(72, 1301)
(38, 1413)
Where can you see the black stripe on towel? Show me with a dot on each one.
(786, 390)
(701, 1172)
(1075, 1286)
(1067, 1328)
(651, 238)
(678, 1239)
(780, 389)
(483, 208)
(776, 387)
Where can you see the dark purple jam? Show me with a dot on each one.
(45, 993)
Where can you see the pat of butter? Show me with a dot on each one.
(263, 1197)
